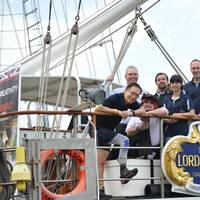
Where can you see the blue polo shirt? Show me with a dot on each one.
(106, 124)
(115, 101)
(180, 105)
(193, 91)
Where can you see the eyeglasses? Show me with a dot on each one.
(133, 93)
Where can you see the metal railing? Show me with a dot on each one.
(93, 114)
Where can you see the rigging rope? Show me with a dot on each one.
(74, 32)
(79, 51)
(64, 7)
(90, 51)
(15, 29)
(86, 53)
(124, 47)
(114, 53)
(44, 71)
(38, 15)
(155, 39)
(126, 43)
(56, 17)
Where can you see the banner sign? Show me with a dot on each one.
(181, 161)
(9, 101)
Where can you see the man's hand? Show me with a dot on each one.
(125, 114)
(109, 78)
(140, 111)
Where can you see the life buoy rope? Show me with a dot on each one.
(79, 156)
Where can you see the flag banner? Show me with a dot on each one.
(9, 101)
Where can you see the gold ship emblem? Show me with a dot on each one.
(177, 175)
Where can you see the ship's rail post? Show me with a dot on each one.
(161, 149)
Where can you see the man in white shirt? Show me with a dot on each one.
(131, 76)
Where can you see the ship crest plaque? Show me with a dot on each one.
(181, 161)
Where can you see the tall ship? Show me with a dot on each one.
(55, 60)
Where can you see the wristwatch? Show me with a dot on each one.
(133, 112)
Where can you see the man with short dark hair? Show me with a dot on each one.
(161, 80)
(192, 88)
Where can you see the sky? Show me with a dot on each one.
(175, 22)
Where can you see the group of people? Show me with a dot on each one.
(171, 98)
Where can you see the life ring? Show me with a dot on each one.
(79, 156)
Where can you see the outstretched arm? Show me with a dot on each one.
(159, 112)
(104, 109)
(124, 114)
(191, 113)
(140, 111)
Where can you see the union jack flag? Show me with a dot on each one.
(12, 73)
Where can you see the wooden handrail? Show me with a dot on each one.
(71, 112)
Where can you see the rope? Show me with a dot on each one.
(44, 71)
(155, 39)
(78, 12)
(86, 53)
(39, 16)
(74, 32)
(124, 47)
(64, 7)
(114, 53)
(13, 23)
(98, 41)
(56, 17)
(90, 53)
(50, 7)
(66, 86)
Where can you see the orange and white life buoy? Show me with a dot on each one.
(79, 156)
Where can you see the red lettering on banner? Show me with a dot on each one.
(6, 106)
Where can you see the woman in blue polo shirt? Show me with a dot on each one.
(178, 104)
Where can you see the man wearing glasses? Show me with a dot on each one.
(122, 105)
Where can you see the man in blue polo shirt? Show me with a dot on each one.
(117, 104)
(192, 88)
(162, 82)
